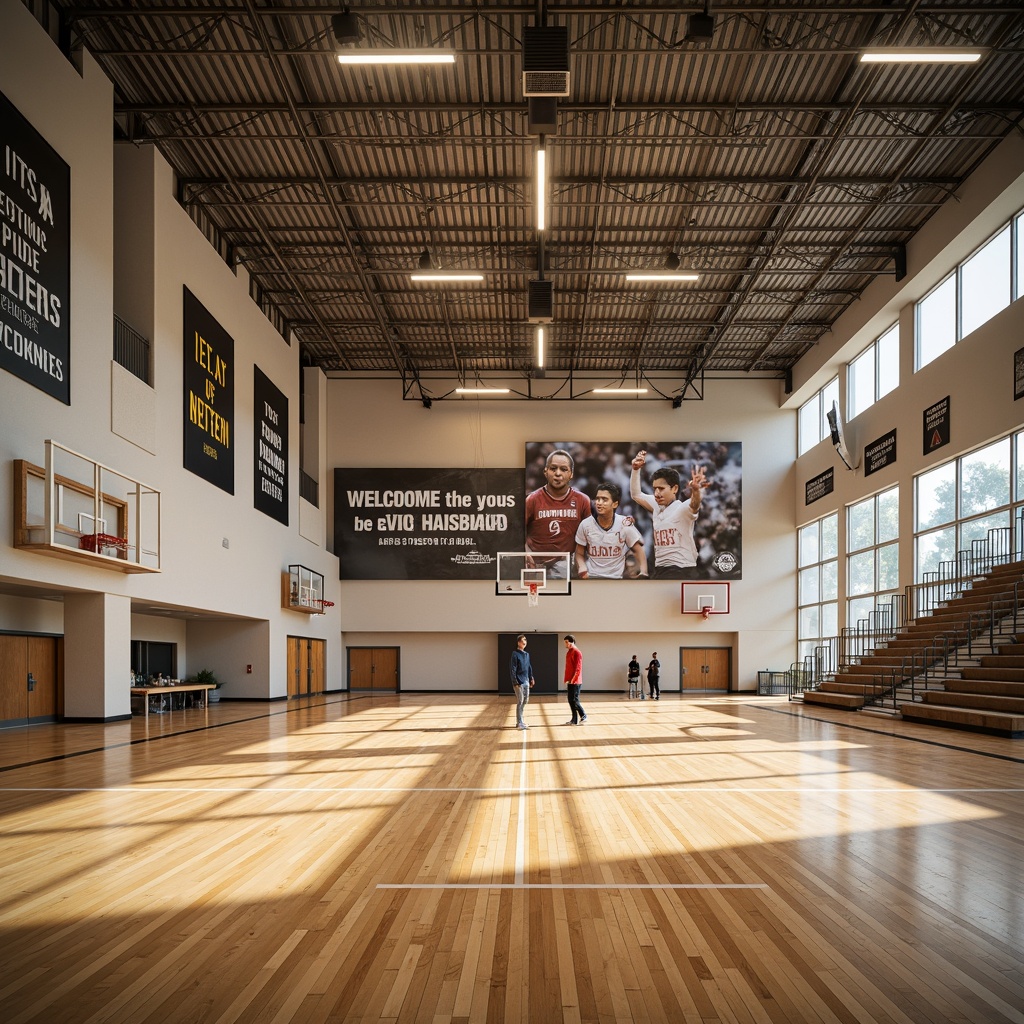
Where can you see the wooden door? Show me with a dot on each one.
(385, 668)
(705, 668)
(717, 661)
(13, 678)
(360, 668)
(307, 665)
(317, 660)
(373, 668)
(42, 663)
(298, 666)
(692, 674)
(20, 657)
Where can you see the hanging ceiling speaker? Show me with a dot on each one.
(541, 302)
(545, 61)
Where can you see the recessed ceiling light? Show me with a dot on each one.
(620, 391)
(481, 391)
(920, 55)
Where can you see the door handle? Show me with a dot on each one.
(31, 682)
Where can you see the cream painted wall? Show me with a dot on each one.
(987, 199)
(976, 374)
(158, 252)
(370, 425)
(438, 662)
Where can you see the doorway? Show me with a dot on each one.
(374, 668)
(705, 668)
(307, 665)
(31, 679)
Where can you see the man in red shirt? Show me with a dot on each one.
(555, 510)
(574, 679)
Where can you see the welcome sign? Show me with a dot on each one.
(35, 258)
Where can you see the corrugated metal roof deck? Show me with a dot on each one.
(769, 160)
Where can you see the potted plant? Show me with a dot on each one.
(205, 675)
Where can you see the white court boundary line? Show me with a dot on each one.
(633, 790)
(521, 818)
(572, 885)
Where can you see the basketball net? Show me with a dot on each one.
(533, 596)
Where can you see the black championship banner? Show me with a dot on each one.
(426, 524)
(270, 447)
(818, 486)
(936, 426)
(209, 386)
(880, 453)
(35, 258)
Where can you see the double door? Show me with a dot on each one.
(705, 668)
(373, 668)
(31, 679)
(307, 659)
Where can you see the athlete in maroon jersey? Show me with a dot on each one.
(555, 511)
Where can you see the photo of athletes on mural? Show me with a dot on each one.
(668, 510)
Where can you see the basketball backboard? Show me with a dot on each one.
(547, 571)
(704, 597)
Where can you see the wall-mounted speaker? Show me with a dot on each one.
(900, 259)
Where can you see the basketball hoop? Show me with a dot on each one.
(534, 596)
(706, 611)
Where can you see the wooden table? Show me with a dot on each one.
(150, 691)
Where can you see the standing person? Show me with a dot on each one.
(555, 510)
(653, 672)
(574, 679)
(675, 552)
(634, 678)
(604, 537)
(522, 678)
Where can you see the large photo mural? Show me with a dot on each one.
(638, 509)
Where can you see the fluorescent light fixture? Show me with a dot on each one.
(663, 276)
(539, 335)
(396, 57)
(542, 188)
(920, 55)
(445, 275)
(481, 391)
(620, 391)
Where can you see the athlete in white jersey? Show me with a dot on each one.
(603, 539)
(675, 553)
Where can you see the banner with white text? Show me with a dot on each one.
(35, 258)
(426, 524)
(270, 447)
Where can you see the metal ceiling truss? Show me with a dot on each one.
(765, 158)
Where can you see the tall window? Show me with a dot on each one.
(985, 283)
(874, 373)
(812, 425)
(873, 555)
(817, 583)
(960, 502)
(975, 292)
(936, 322)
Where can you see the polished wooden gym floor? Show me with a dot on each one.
(415, 858)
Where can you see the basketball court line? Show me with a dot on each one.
(572, 885)
(520, 789)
